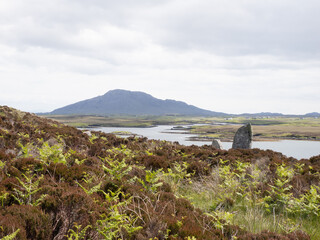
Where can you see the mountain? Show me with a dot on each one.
(123, 102)
(313, 114)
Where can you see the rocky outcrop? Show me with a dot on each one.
(216, 143)
(243, 138)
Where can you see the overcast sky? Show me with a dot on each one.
(231, 56)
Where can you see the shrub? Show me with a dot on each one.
(32, 222)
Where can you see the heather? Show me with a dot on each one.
(58, 182)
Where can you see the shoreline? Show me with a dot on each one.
(274, 139)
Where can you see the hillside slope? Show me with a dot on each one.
(59, 182)
(122, 102)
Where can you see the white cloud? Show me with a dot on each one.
(235, 56)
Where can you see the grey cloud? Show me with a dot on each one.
(58, 27)
(285, 28)
(196, 46)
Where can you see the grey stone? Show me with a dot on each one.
(216, 143)
(243, 138)
(88, 133)
(10, 151)
(52, 142)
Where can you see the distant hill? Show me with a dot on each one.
(313, 114)
(270, 114)
(123, 102)
(262, 114)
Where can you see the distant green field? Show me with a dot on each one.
(126, 121)
(263, 128)
(274, 121)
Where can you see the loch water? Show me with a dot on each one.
(291, 148)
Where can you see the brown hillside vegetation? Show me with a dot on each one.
(57, 182)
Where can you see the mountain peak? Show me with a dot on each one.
(122, 92)
(124, 102)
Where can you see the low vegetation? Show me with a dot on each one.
(290, 130)
(264, 128)
(125, 121)
(57, 182)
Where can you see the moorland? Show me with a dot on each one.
(58, 182)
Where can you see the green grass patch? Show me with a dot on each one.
(231, 192)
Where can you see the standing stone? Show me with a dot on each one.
(216, 143)
(243, 138)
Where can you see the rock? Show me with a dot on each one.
(216, 143)
(88, 133)
(243, 138)
(10, 151)
(52, 142)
